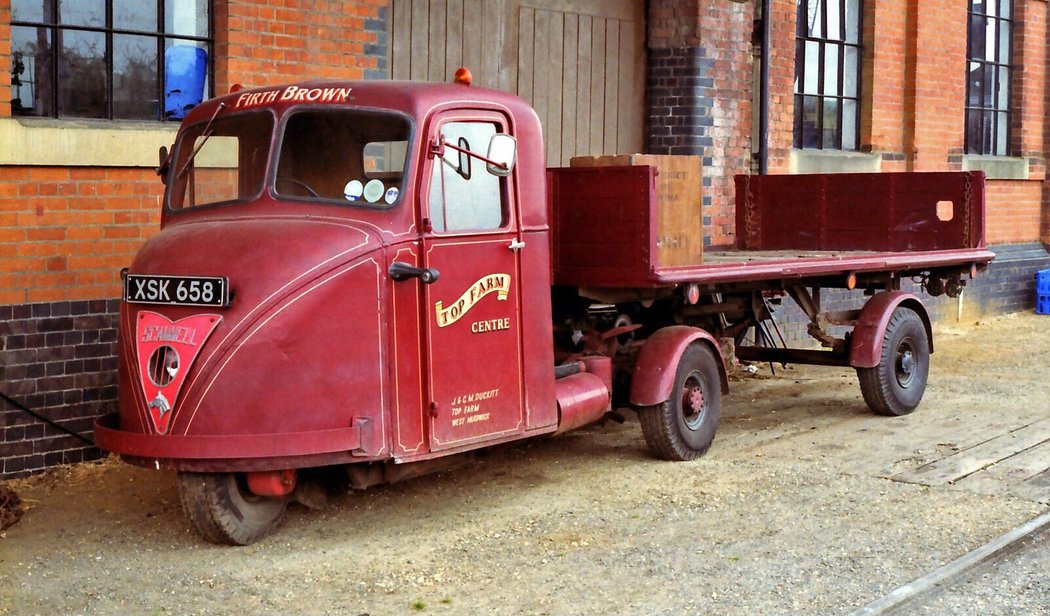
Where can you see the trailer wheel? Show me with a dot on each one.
(683, 427)
(896, 385)
(222, 509)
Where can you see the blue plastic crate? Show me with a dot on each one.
(1042, 283)
(1042, 304)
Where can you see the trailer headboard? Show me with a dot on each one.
(602, 225)
(861, 211)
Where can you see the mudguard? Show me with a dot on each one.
(866, 344)
(655, 368)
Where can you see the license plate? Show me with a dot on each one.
(210, 291)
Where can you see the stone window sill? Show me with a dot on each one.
(83, 143)
(837, 161)
(997, 167)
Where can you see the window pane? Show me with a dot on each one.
(1006, 8)
(989, 40)
(82, 82)
(798, 122)
(973, 130)
(345, 156)
(849, 125)
(810, 122)
(814, 8)
(31, 92)
(987, 129)
(135, 15)
(1004, 42)
(988, 101)
(850, 71)
(230, 165)
(812, 68)
(135, 92)
(800, 48)
(30, 10)
(1002, 125)
(186, 17)
(976, 84)
(834, 17)
(831, 133)
(82, 13)
(831, 69)
(472, 196)
(977, 34)
(1003, 85)
(852, 21)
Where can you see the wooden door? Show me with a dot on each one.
(580, 63)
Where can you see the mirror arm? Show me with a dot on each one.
(445, 144)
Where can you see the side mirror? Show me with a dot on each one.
(503, 150)
(162, 169)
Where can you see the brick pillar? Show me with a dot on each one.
(700, 89)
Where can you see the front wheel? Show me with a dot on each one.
(895, 386)
(223, 510)
(683, 427)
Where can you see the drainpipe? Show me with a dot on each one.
(763, 95)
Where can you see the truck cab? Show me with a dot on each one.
(345, 273)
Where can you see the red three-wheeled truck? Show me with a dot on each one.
(384, 276)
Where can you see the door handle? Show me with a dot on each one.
(403, 271)
(516, 245)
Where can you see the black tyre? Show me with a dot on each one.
(683, 427)
(896, 385)
(222, 509)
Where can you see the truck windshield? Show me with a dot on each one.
(229, 164)
(346, 155)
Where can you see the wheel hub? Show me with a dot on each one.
(905, 367)
(694, 405)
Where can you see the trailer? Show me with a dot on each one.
(385, 277)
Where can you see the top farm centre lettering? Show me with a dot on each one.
(292, 94)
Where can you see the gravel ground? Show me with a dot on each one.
(792, 511)
(1016, 584)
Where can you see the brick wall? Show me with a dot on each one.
(65, 232)
(269, 42)
(59, 360)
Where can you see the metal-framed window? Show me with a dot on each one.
(988, 84)
(827, 74)
(110, 59)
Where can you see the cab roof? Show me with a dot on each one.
(414, 98)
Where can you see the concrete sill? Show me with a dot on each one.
(997, 167)
(83, 143)
(822, 161)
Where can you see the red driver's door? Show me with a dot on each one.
(473, 331)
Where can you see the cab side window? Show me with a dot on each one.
(463, 195)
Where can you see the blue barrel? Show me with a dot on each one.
(185, 69)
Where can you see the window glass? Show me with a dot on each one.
(345, 155)
(229, 164)
(83, 84)
(90, 13)
(988, 79)
(464, 196)
(135, 15)
(134, 72)
(32, 92)
(106, 58)
(827, 74)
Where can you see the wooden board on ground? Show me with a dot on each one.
(969, 461)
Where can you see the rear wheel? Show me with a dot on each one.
(223, 510)
(683, 427)
(895, 386)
